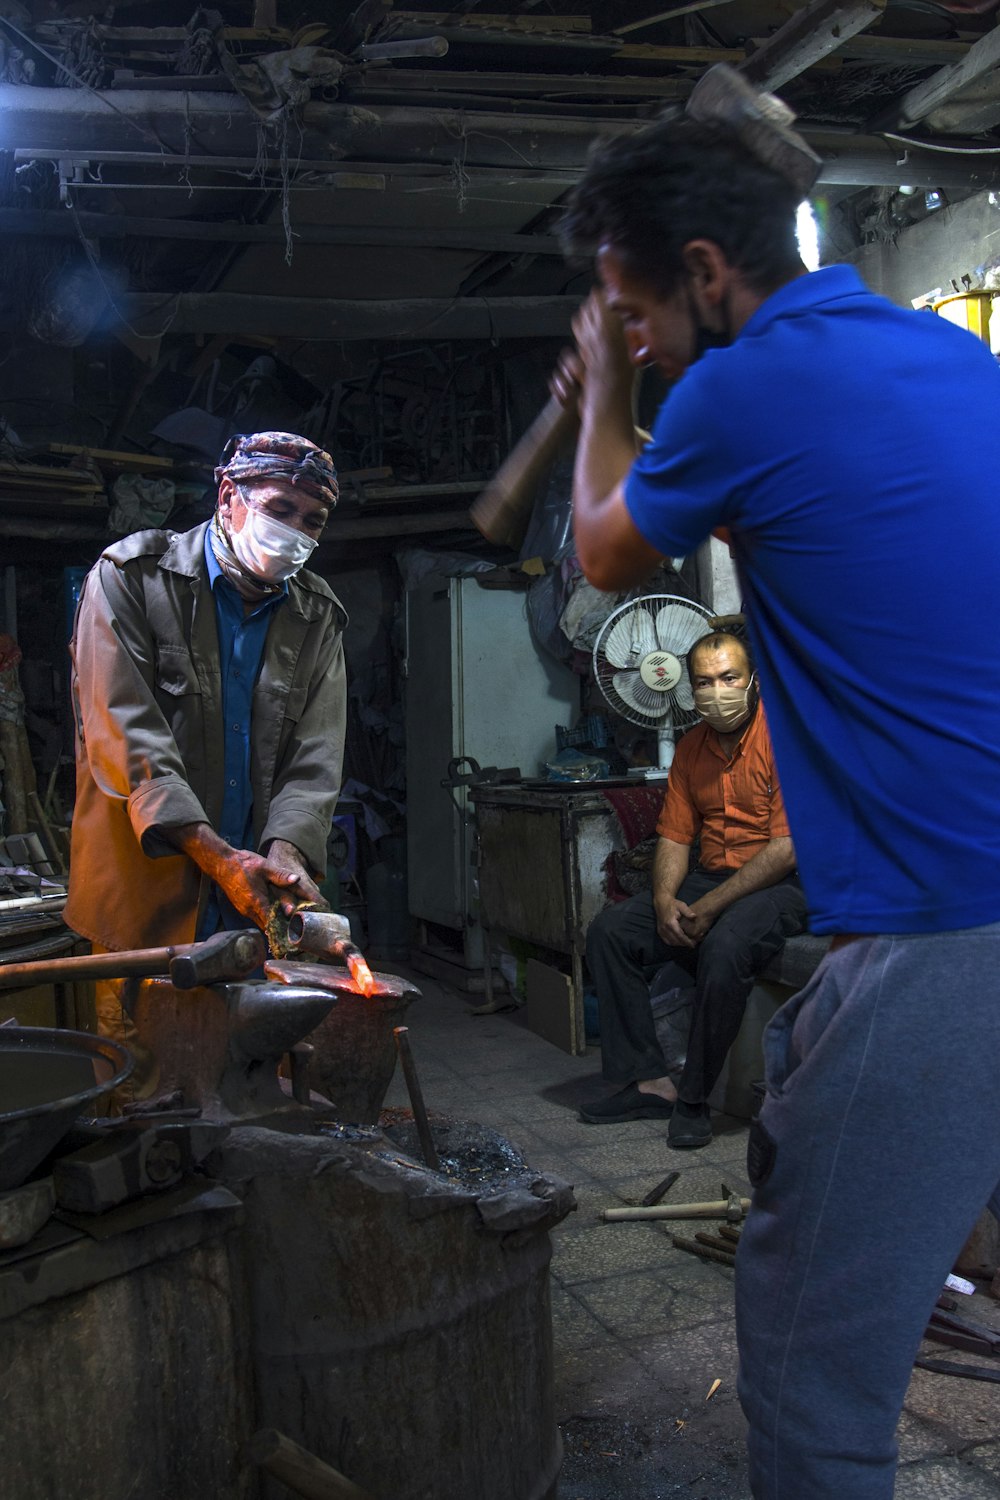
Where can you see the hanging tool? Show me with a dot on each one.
(226, 955)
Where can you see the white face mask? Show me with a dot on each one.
(268, 548)
(725, 708)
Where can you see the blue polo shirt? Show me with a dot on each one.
(853, 448)
(241, 650)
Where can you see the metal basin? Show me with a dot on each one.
(47, 1078)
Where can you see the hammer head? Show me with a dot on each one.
(226, 955)
(734, 1205)
(722, 96)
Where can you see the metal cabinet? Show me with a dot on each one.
(541, 872)
(476, 685)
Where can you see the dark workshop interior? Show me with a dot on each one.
(352, 1240)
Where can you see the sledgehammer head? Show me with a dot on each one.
(722, 96)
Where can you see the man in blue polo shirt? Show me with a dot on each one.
(828, 432)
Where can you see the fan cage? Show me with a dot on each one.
(638, 631)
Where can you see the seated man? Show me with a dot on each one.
(721, 921)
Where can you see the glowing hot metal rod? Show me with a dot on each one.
(329, 933)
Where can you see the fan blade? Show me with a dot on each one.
(683, 694)
(630, 638)
(678, 627)
(643, 700)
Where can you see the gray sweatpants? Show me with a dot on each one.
(877, 1148)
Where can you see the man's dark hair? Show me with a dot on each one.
(648, 194)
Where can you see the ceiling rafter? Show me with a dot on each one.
(808, 37)
(980, 64)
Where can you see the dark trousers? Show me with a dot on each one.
(624, 950)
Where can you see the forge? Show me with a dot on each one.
(316, 1276)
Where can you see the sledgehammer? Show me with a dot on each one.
(226, 955)
(763, 124)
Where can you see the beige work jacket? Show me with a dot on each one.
(147, 696)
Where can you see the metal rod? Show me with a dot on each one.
(704, 1251)
(402, 1038)
(660, 1191)
(715, 1242)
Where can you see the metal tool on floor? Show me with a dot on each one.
(731, 1208)
(962, 1333)
(660, 1191)
(955, 1367)
(706, 1252)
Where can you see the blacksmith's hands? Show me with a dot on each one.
(254, 881)
(286, 870)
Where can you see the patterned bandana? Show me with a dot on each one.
(280, 455)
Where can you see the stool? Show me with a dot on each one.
(776, 983)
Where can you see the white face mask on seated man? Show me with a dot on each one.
(724, 708)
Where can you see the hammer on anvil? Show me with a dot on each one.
(763, 124)
(226, 955)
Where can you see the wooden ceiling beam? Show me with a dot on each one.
(331, 320)
(810, 35)
(982, 58)
(58, 224)
(976, 109)
(895, 51)
(870, 161)
(578, 85)
(545, 23)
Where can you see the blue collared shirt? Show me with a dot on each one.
(242, 637)
(853, 449)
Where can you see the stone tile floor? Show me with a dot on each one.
(642, 1330)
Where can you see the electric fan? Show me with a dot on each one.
(640, 666)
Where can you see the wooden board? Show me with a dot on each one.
(550, 1007)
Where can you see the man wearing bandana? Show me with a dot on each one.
(714, 925)
(209, 695)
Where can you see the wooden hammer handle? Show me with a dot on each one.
(502, 511)
(300, 1470)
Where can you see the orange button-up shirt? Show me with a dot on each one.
(735, 805)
